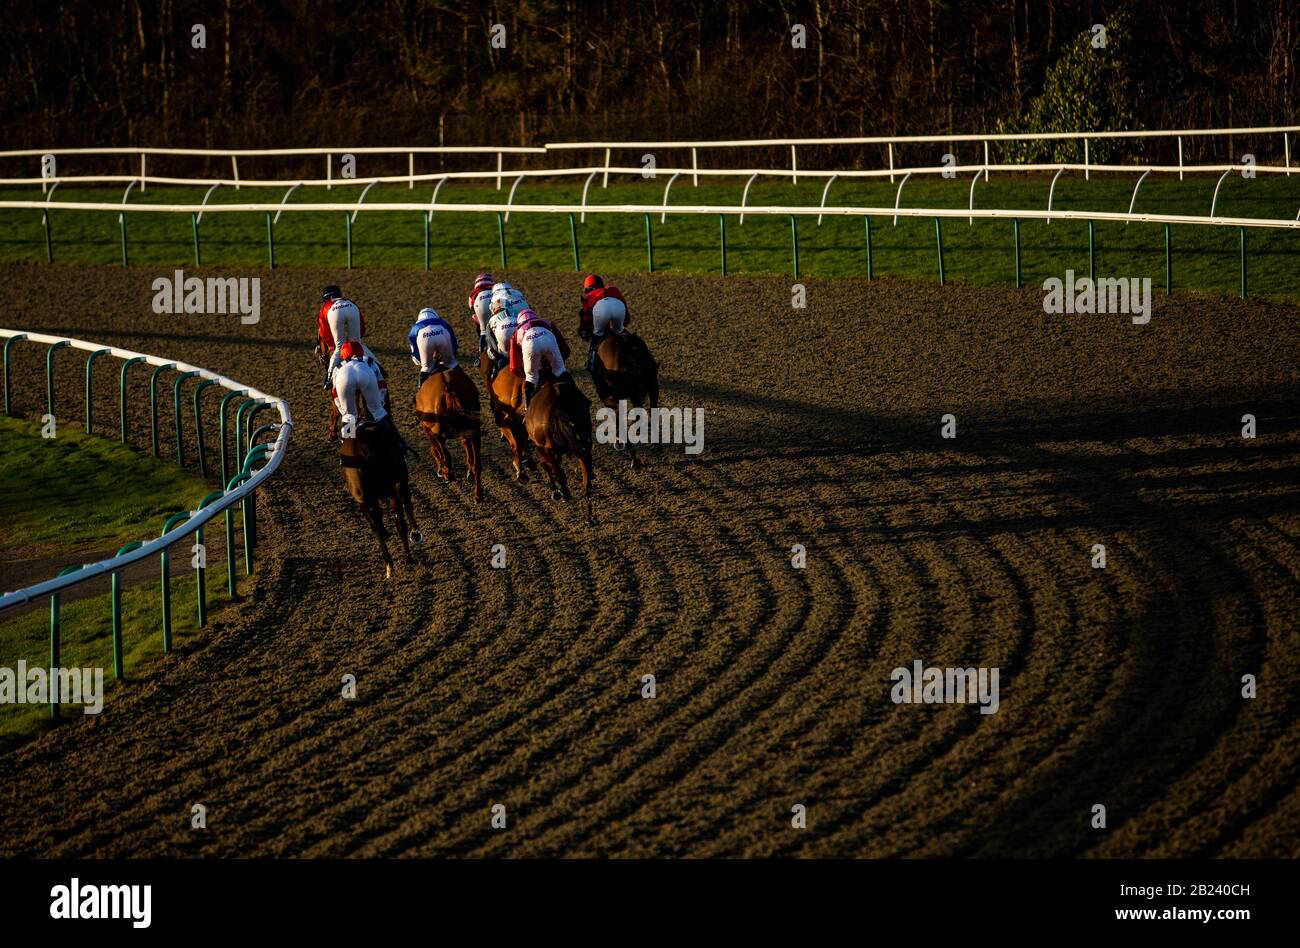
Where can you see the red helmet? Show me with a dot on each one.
(351, 350)
(482, 283)
(592, 282)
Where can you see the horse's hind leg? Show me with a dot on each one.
(438, 448)
(400, 514)
(403, 492)
(518, 451)
(371, 514)
(474, 461)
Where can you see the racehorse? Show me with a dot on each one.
(559, 422)
(374, 469)
(506, 400)
(625, 370)
(447, 406)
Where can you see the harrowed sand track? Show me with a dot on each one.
(522, 687)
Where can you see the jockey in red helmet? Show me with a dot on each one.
(603, 311)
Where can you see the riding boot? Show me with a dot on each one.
(591, 353)
(529, 389)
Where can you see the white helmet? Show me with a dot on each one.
(427, 313)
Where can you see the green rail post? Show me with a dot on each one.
(347, 220)
(239, 429)
(49, 373)
(230, 396)
(426, 242)
(794, 243)
(118, 669)
(1092, 254)
(8, 386)
(870, 273)
(165, 568)
(230, 537)
(1241, 240)
(121, 220)
(122, 393)
(649, 246)
(202, 570)
(249, 503)
(1169, 264)
(56, 633)
(194, 225)
(722, 240)
(262, 403)
(501, 238)
(90, 359)
(176, 398)
(573, 238)
(1015, 221)
(198, 425)
(153, 403)
(270, 241)
(938, 243)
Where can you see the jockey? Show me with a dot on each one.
(480, 307)
(323, 328)
(508, 304)
(603, 311)
(357, 375)
(537, 353)
(342, 323)
(433, 343)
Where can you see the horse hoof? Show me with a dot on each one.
(388, 572)
(469, 475)
(620, 446)
(557, 496)
(417, 537)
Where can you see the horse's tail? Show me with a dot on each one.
(569, 425)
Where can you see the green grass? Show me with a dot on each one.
(76, 493)
(1204, 258)
(86, 640)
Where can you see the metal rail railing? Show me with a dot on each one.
(254, 462)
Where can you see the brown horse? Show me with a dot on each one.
(506, 400)
(625, 370)
(447, 406)
(559, 423)
(374, 469)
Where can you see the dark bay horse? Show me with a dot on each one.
(447, 406)
(559, 422)
(625, 370)
(506, 400)
(374, 469)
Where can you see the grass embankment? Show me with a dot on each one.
(76, 494)
(1204, 258)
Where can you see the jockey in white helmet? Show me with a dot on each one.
(507, 304)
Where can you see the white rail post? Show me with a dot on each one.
(234, 165)
(1180, 157)
(604, 182)
(1215, 201)
(410, 172)
(695, 168)
(891, 162)
(142, 171)
(794, 167)
(825, 191)
(329, 172)
(663, 218)
(986, 159)
(45, 182)
(511, 199)
(1085, 160)
(500, 165)
(583, 218)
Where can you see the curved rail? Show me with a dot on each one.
(274, 456)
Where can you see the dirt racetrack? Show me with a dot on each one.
(1119, 686)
